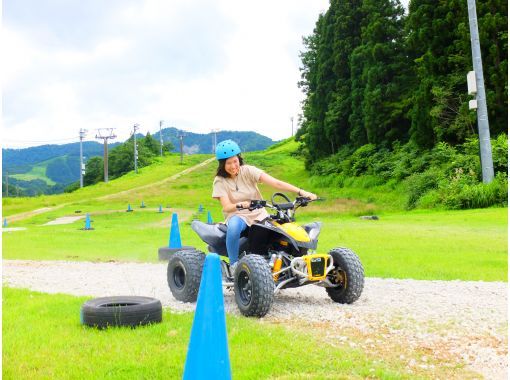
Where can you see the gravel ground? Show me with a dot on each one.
(461, 321)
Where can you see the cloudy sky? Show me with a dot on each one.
(196, 64)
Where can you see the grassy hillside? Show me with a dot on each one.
(37, 172)
(422, 244)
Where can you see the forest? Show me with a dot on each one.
(384, 87)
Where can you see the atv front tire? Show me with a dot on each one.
(348, 274)
(253, 286)
(184, 273)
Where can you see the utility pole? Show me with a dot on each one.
(105, 134)
(7, 184)
(181, 136)
(82, 166)
(292, 126)
(135, 128)
(214, 132)
(160, 139)
(481, 103)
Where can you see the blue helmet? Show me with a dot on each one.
(227, 149)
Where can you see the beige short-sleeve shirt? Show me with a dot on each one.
(242, 188)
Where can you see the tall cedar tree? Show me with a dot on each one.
(310, 127)
(354, 74)
(372, 76)
(439, 44)
(326, 77)
(380, 73)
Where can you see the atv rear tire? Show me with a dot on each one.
(184, 273)
(253, 286)
(349, 274)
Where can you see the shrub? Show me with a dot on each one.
(417, 185)
(442, 153)
(402, 160)
(72, 187)
(500, 153)
(458, 194)
(429, 200)
(363, 159)
(445, 176)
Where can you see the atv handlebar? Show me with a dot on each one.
(299, 202)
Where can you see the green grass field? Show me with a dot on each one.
(433, 245)
(422, 244)
(43, 339)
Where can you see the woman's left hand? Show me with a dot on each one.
(306, 194)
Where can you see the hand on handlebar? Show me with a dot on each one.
(250, 205)
(243, 205)
(306, 194)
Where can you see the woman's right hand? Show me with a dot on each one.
(243, 205)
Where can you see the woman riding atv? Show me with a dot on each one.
(235, 185)
(276, 252)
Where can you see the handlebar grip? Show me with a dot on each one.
(255, 204)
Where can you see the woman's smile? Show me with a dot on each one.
(232, 166)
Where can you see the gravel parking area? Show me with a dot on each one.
(460, 320)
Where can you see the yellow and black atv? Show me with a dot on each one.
(275, 254)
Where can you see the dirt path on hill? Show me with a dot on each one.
(162, 182)
(425, 324)
(28, 214)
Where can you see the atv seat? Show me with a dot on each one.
(215, 236)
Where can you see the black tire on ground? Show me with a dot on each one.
(253, 286)
(121, 311)
(348, 274)
(184, 273)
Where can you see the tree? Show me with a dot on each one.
(151, 144)
(122, 157)
(168, 147)
(94, 171)
(439, 44)
(384, 74)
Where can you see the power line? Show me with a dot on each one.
(38, 141)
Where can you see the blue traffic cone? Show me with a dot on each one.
(129, 209)
(142, 205)
(160, 209)
(209, 218)
(174, 242)
(87, 222)
(5, 222)
(200, 208)
(208, 356)
(175, 234)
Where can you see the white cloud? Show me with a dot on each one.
(197, 65)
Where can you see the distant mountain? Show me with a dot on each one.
(17, 161)
(203, 143)
(48, 169)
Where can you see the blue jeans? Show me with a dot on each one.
(235, 227)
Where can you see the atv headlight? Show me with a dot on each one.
(316, 265)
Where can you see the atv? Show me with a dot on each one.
(274, 254)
